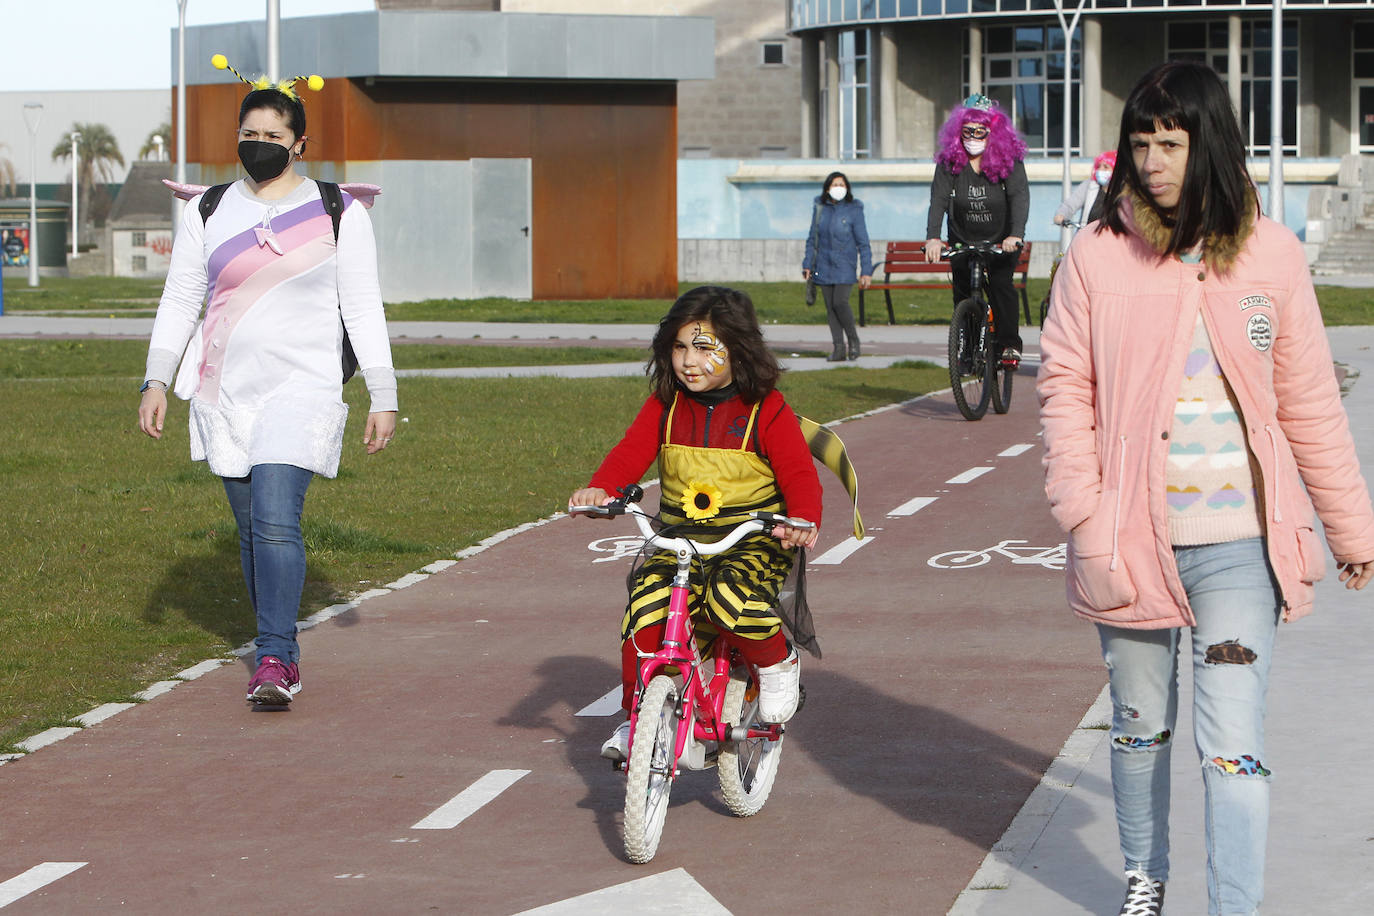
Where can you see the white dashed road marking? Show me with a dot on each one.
(912, 506)
(672, 891)
(467, 802)
(22, 885)
(970, 474)
(607, 705)
(1014, 451)
(840, 552)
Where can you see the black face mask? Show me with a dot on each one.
(263, 161)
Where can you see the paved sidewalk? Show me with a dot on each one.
(884, 345)
(1060, 856)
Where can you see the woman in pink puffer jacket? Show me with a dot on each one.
(1192, 423)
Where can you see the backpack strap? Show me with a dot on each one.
(210, 200)
(333, 203)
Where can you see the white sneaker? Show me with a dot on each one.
(779, 689)
(617, 747)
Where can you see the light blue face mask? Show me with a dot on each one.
(1103, 177)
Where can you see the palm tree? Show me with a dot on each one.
(98, 152)
(151, 147)
(7, 176)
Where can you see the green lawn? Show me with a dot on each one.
(121, 556)
(777, 303)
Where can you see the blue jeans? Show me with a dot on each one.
(267, 506)
(1236, 603)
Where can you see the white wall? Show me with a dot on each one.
(130, 114)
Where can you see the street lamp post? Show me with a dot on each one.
(76, 136)
(33, 113)
(274, 40)
(179, 205)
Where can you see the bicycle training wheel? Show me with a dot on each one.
(650, 769)
(746, 768)
(1002, 377)
(970, 370)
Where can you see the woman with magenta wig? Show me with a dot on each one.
(980, 186)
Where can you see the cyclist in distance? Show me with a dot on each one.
(1088, 197)
(980, 188)
(727, 444)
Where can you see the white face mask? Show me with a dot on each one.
(1103, 177)
(975, 148)
(838, 191)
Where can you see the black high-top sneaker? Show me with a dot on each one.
(1144, 896)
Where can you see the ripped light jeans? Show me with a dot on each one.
(1236, 602)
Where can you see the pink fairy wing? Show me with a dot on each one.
(365, 194)
(185, 191)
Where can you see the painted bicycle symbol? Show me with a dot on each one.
(1016, 551)
(618, 548)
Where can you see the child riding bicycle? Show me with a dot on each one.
(727, 444)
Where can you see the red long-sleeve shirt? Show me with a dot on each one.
(776, 437)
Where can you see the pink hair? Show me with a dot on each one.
(1108, 159)
(1005, 146)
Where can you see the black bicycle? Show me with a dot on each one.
(976, 371)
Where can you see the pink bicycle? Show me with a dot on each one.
(689, 712)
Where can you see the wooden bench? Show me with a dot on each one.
(908, 258)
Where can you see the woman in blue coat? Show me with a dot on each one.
(838, 239)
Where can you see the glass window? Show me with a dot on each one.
(1023, 69)
(856, 105)
(140, 263)
(1364, 65)
(139, 240)
(772, 54)
(1206, 41)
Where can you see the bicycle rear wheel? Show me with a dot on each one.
(650, 769)
(746, 768)
(970, 369)
(1002, 377)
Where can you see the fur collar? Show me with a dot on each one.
(1219, 252)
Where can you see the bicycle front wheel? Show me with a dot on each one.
(650, 769)
(970, 368)
(1002, 377)
(746, 768)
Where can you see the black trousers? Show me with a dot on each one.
(999, 288)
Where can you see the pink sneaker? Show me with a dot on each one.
(274, 683)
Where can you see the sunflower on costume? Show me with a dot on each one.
(701, 500)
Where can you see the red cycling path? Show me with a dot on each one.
(942, 698)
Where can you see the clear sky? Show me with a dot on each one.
(119, 44)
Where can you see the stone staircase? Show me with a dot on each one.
(1340, 221)
(1348, 252)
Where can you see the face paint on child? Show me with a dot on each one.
(701, 361)
(703, 339)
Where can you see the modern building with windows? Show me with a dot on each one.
(880, 76)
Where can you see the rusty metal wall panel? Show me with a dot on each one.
(604, 158)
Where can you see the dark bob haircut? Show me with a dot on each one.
(825, 187)
(1216, 192)
(731, 314)
(291, 110)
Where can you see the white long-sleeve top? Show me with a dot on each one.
(273, 283)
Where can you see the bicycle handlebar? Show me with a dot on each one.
(947, 251)
(757, 521)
